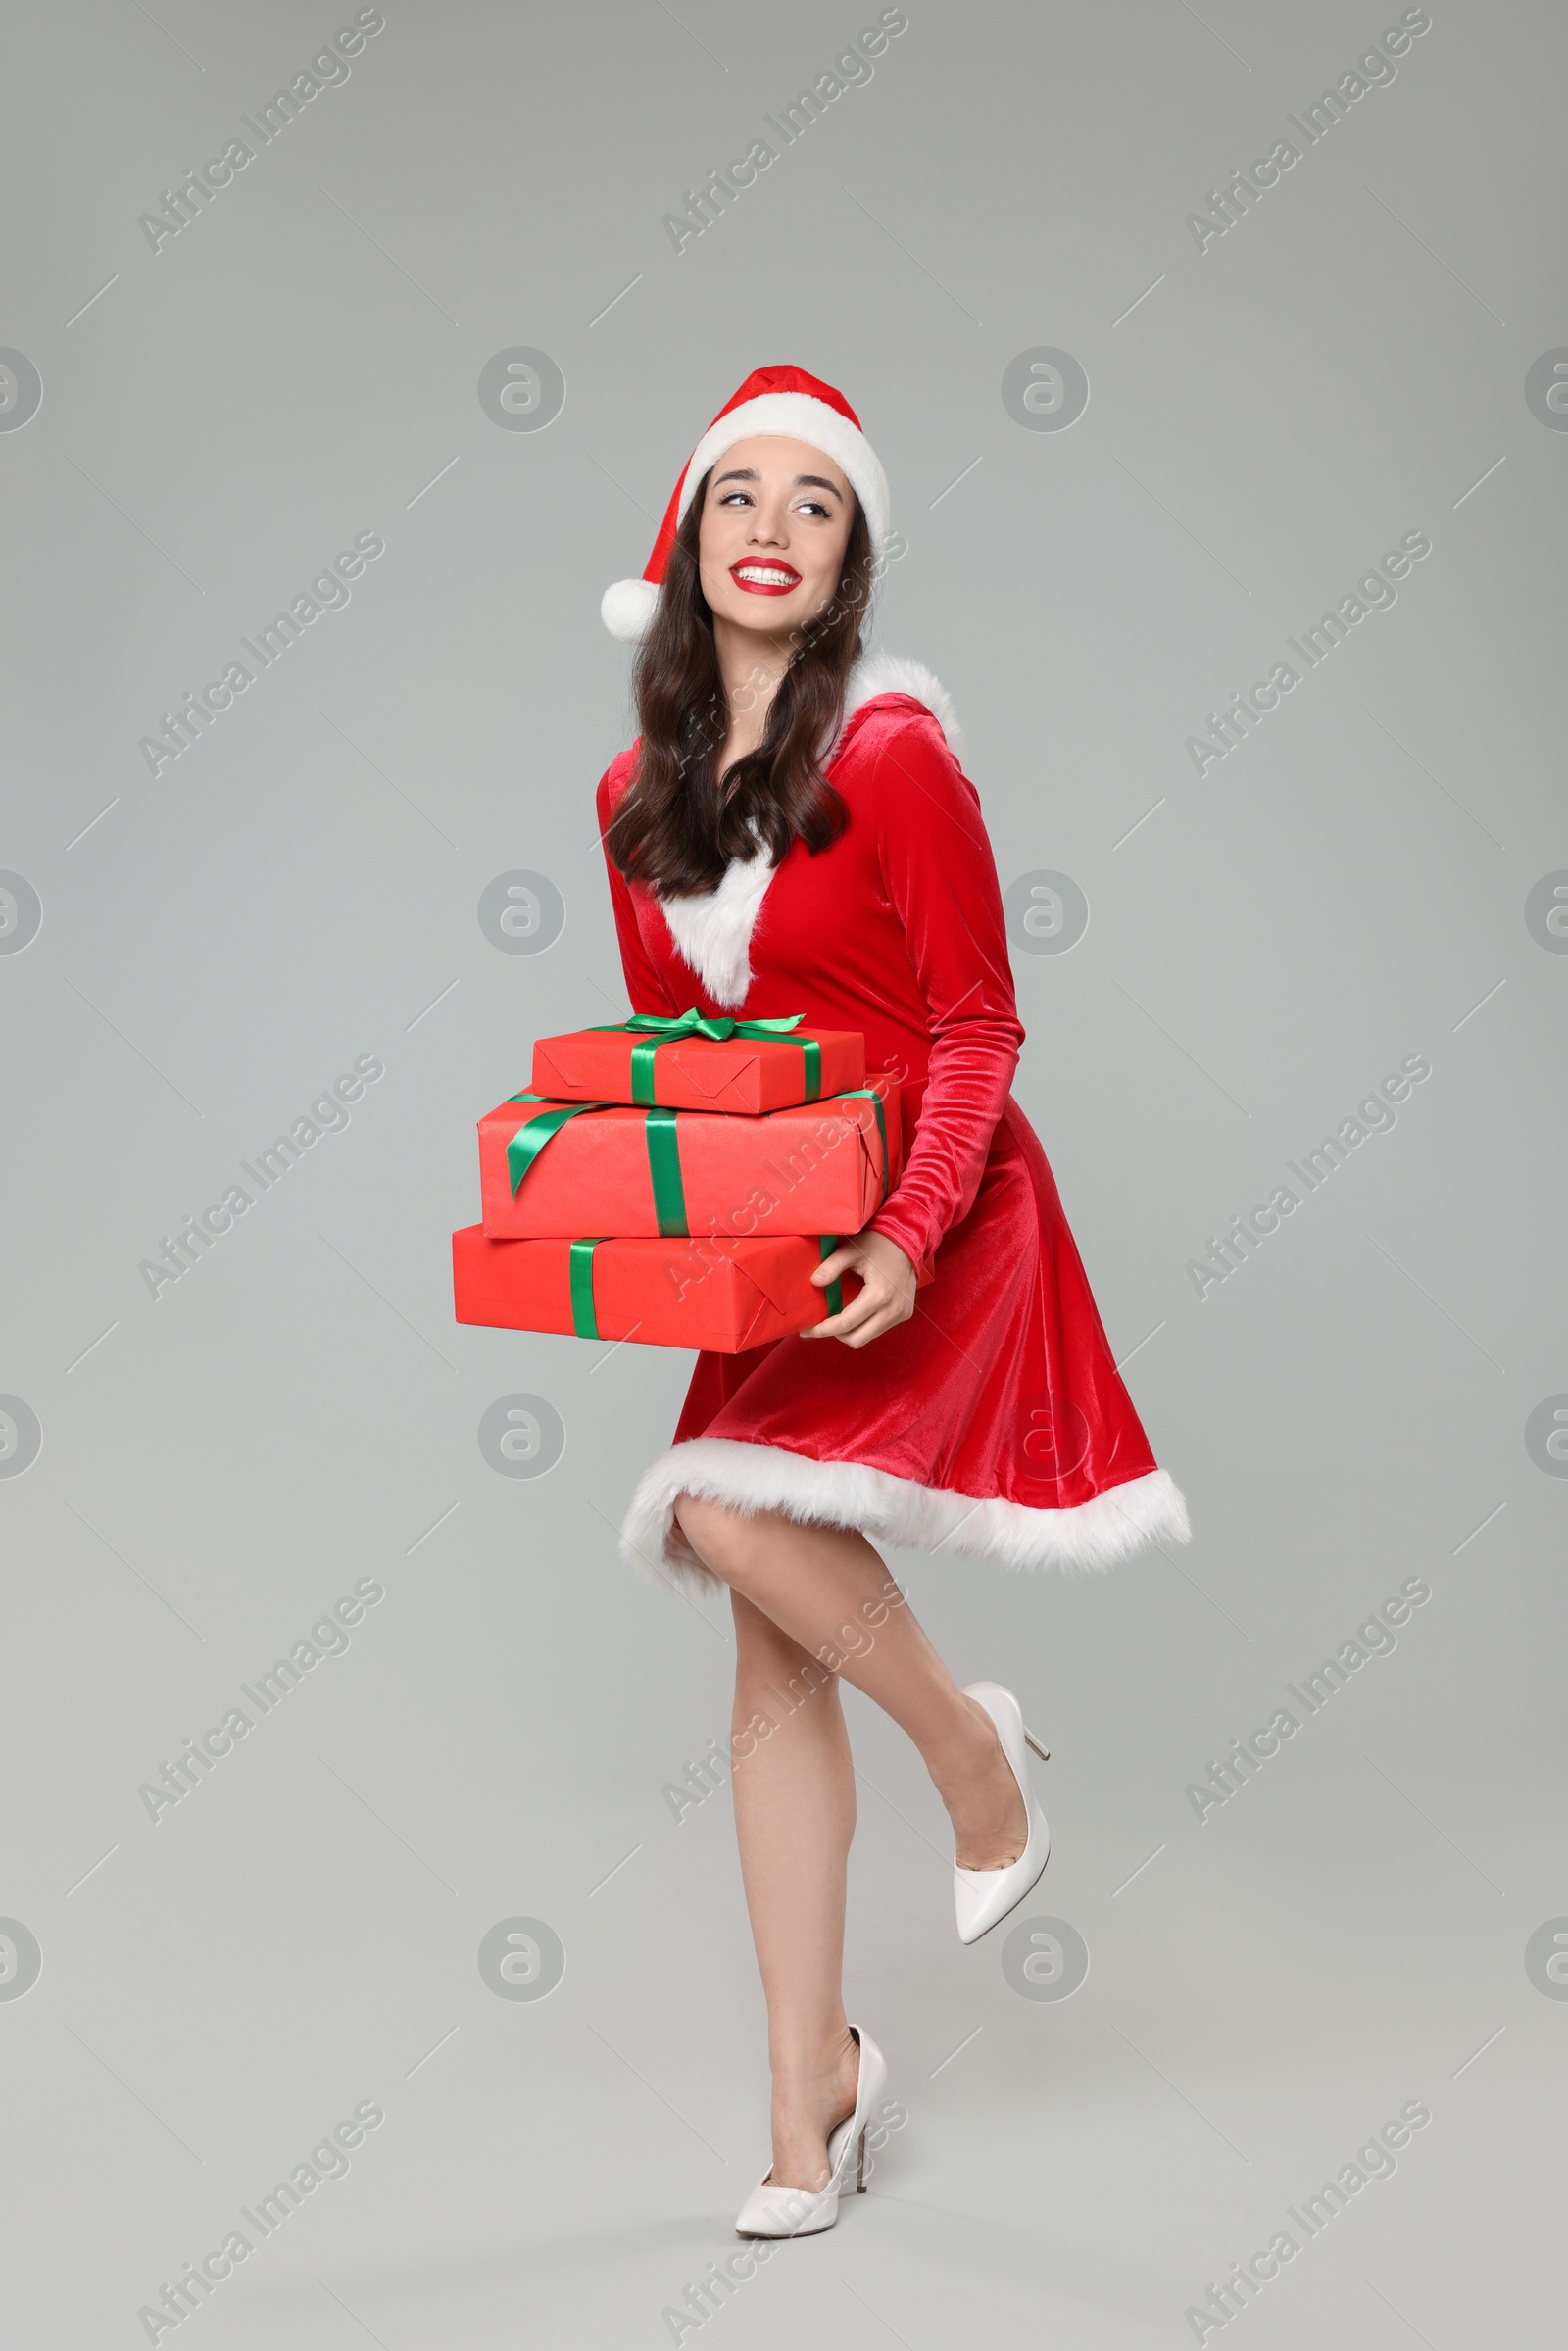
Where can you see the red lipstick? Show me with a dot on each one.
(768, 575)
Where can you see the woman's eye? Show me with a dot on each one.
(813, 506)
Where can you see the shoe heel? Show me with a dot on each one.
(859, 2168)
(1030, 1740)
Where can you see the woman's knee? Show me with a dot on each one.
(723, 1539)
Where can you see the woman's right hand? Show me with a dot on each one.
(885, 1299)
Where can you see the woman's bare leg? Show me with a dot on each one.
(794, 1818)
(831, 1592)
(810, 1603)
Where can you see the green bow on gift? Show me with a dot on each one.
(715, 1025)
(651, 1031)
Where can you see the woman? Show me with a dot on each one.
(792, 832)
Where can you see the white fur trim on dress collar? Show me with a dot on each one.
(878, 672)
(712, 928)
(1096, 1534)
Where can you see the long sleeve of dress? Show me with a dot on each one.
(645, 988)
(940, 874)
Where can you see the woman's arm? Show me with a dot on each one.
(647, 991)
(939, 871)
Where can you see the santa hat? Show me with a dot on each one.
(773, 400)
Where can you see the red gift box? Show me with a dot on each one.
(699, 1064)
(723, 1294)
(555, 1168)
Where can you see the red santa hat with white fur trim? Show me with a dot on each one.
(773, 400)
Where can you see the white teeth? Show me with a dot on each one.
(764, 577)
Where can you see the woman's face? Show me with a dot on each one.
(771, 535)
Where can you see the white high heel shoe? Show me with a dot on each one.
(983, 1896)
(770, 2210)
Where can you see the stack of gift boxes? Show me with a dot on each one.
(678, 1182)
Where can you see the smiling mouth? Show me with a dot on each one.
(764, 579)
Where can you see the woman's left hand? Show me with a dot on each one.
(886, 1295)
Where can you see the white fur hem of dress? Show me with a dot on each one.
(1096, 1534)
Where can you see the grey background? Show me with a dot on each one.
(301, 887)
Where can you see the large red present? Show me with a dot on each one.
(698, 1063)
(723, 1294)
(552, 1169)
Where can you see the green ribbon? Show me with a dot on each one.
(664, 1149)
(714, 1025)
(651, 1030)
(664, 1166)
(534, 1133)
(664, 1154)
(581, 1275)
(833, 1292)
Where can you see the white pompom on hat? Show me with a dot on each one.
(773, 400)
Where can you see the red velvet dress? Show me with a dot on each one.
(994, 1422)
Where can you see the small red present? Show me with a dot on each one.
(698, 1063)
(551, 1168)
(726, 1295)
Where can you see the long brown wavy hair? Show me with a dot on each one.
(678, 824)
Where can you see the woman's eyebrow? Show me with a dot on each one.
(802, 481)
